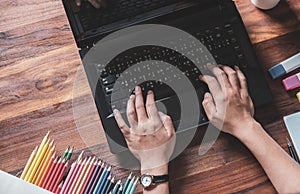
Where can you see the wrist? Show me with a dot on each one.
(247, 130)
(156, 171)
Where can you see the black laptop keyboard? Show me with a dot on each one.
(219, 40)
(92, 18)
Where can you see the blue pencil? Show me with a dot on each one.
(128, 189)
(127, 183)
(120, 190)
(105, 185)
(134, 186)
(102, 180)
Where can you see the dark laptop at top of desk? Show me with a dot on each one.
(216, 23)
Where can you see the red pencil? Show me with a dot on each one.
(49, 172)
(49, 181)
(59, 187)
(88, 177)
(77, 176)
(70, 174)
(68, 188)
(58, 170)
(60, 176)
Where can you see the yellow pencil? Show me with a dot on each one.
(81, 175)
(43, 176)
(36, 157)
(29, 162)
(85, 174)
(38, 161)
(46, 158)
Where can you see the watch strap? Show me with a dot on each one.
(161, 178)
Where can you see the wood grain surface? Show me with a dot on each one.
(43, 87)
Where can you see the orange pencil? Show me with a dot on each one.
(88, 175)
(48, 165)
(46, 157)
(49, 181)
(60, 176)
(29, 162)
(48, 174)
(56, 174)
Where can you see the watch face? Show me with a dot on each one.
(146, 180)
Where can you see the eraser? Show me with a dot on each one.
(291, 82)
(298, 96)
(285, 67)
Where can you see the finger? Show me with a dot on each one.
(151, 107)
(139, 105)
(95, 3)
(121, 123)
(208, 105)
(78, 2)
(168, 124)
(131, 114)
(241, 78)
(220, 75)
(232, 76)
(243, 83)
(213, 86)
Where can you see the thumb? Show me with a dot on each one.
(168, 124)
(208, 105)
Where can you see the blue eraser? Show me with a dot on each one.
(277, 71)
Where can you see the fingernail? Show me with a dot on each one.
(115, 111)
(206, 95)
(131, 96)
(150, 92)
(236, 67)
(137, 88)
(201, 77)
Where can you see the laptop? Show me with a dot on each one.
(216, 23)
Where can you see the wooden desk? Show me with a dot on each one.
(40, 66)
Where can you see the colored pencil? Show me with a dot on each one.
(96, 174)
(60, 176)
(70, 174)
(128, 189)
(102, 181)
(36, 159)
(57, 172)
(77, 167)
(127, 183)
(46, 157)
(134, 186)
(52, 174)
(58, 190)
(88, 175)
(75, 181)
(110, 186)
(29, 162)
(84, 174)
(98, 180)
(47, 167)
(48, 174)
(105, 185)
(116, 187)
(120, 190)
(66, 152)
(68, 157)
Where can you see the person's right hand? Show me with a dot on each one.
(96, 3)
(228, 105)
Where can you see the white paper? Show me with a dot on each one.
(292, 123)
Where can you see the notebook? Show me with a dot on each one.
(13, 185)
(292, 123)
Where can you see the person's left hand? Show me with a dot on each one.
(151, 135)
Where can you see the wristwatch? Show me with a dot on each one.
(148, 180)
